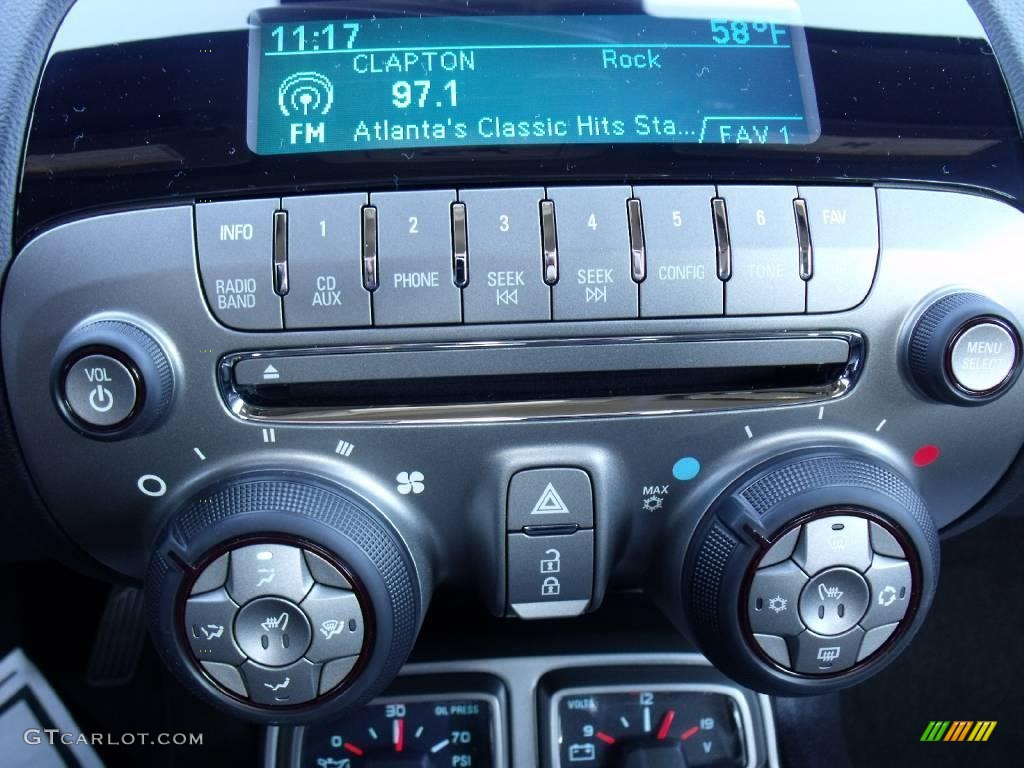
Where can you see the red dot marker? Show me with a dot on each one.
(926, 454)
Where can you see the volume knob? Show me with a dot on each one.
(111, 380)
(964, 350)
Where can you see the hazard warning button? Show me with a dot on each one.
(539, 498)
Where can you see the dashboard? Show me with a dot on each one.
(326, 317)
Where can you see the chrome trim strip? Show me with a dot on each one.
(549, 241)
(460, 245)
(723, 242)
(805, 249)
(371, 278)
(281, 253)
(637, 245)
(621, 407)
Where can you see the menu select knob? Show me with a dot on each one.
(812, 573)
(111, 379)
(965, 350)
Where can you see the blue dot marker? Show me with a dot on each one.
(686, 468)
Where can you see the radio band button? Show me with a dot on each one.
(236, 260)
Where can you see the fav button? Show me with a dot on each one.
(236, 260)
(843, 222)
(100, 391)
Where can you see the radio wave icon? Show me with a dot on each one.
(305, 93)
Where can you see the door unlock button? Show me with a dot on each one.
(100, 391)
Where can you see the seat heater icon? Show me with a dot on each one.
(276, 622)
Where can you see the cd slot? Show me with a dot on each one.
(495, 381)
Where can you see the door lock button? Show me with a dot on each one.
(100, 391)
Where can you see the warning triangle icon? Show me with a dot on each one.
(550, 503)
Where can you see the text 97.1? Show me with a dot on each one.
(405, 94)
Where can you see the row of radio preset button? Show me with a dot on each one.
(535, 254)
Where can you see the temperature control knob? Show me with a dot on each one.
(812, 573)
(964, 350)
(283, 598)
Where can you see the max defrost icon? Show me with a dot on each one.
(305, 94)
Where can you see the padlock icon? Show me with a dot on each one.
(550, 587)
(553, 563)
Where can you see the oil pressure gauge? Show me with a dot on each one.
(410, 730)
(670, 726)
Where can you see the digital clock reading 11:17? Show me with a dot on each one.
(301, 37)
(436, 82)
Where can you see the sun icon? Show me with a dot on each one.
(778, 603)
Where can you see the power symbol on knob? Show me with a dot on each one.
(101, 399)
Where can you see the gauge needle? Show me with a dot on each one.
(688, 733)
(398, 734)
(602, 736)
(353, 749)
(666, 723)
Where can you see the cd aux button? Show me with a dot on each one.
(506, 280)
(324, 268)
(417, 286)
(682, 276)
(595, 270)
(765, 255)
(236, 261)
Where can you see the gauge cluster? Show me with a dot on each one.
(544, 712)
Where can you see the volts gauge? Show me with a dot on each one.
(671, 727)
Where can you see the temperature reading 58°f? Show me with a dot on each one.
(725, 32)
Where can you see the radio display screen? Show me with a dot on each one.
(413, 83)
